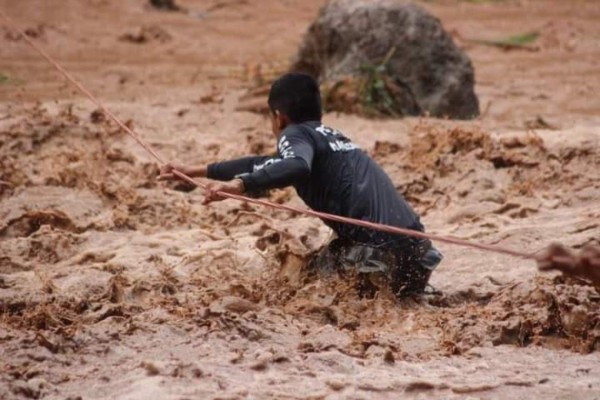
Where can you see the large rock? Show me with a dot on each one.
(351, 34)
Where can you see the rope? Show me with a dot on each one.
(265, 203)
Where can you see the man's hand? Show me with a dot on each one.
(235, 186)
(166, 172)
(584, 264)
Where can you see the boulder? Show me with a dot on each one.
(396, 47)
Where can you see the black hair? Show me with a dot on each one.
(297, 96)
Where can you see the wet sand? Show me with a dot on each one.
(113, 285)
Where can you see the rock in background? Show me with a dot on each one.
(404, 61)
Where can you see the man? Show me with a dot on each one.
(332, 175)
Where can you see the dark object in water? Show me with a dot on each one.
(165, 5)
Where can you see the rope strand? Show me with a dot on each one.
(265, 203)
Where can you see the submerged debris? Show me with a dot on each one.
(165, 5)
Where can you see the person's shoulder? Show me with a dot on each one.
(299, 130)
(302, 126)
(292, 129)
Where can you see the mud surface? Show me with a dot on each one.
(113, 285)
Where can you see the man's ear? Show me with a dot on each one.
(281, 120)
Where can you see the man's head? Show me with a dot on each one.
(294, 98)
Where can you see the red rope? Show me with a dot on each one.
(325, 216)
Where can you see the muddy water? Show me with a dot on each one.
(115, 286)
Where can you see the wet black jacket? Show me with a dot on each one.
(332, 175)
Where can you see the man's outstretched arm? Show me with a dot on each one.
(279, 174)
(222, 171)
(296, 152)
